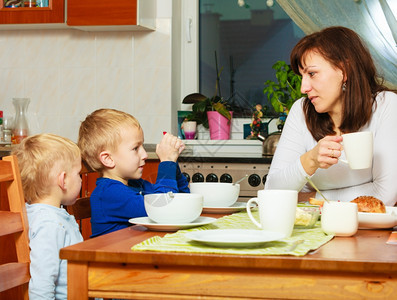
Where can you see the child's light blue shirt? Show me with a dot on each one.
(50, 229)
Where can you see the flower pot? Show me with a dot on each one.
(219, 125)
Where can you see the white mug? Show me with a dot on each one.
(277, 210)
(339, 218)
(358, 147)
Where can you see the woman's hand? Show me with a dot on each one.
(169, 148)
(323, 155)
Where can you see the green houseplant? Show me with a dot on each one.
(200, 109)
(283, 93)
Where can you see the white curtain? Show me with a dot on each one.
(374, 20)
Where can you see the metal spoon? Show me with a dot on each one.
(170, 196)
(314, 186)
(241, 179)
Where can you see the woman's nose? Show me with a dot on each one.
(305, 87)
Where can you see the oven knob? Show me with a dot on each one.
(211, 178)
(226, 178)
(198, 177)
(254, 180)
(187, 176)
(264, 179)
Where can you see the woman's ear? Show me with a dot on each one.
(106, 159)
(61, 180)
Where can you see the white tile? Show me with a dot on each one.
(164, 9)
(153, 127)
(77, 49)
(77, 90)
(153, 90)
(114, 88)
(153, 49)
(114, 49)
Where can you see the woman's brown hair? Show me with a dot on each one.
(344, 49)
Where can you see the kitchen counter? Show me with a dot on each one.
(5, 150)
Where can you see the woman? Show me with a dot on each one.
(344, 94)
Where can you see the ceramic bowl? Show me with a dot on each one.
(183, 208)
(216, 194)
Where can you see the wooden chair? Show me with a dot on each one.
(14, 273)
(81, 210)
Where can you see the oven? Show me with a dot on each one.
(212, 169)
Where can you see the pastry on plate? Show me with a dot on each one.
(314, 201)
(369, 204)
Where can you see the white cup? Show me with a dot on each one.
(339, 218)
(277, 210)
(358, 147)
(189, 129)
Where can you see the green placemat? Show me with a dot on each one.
(177, 242)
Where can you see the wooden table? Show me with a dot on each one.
(358, 267)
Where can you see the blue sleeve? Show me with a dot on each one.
(170, 178)
(183, 184)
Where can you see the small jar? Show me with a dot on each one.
(7, 134)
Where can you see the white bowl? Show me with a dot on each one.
(181, 209)
(216, 194)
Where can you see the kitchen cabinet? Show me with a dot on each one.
(102, 15)
(88, 15)
(54, 13)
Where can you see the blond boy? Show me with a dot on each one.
(111, 144)
(50, 170)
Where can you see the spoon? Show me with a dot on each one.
(241, 179)
(170, 196)
(314, 186)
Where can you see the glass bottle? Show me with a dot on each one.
(21, 128)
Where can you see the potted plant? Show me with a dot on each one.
(213, 114)
(283, 93)
(201, 107)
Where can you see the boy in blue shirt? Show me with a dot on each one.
(111, 143)
(50, 171)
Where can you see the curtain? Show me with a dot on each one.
(374, 20)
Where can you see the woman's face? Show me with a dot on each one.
(322, 83)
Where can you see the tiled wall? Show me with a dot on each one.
(69, 73)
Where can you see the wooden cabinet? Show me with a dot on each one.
(91, 13)
(54, 13)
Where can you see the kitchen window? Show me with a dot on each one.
(240, 40)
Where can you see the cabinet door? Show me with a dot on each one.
(54, 13)
(150, 170)
(97, 13)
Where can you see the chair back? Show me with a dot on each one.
(14, 273)
(81, 210)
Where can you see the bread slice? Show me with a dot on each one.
(369, 204)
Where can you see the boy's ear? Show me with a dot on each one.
(61, 180)
(106, 159)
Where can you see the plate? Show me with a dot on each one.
(242, 238)
(149, 224)
(378, 220)
(238, 206)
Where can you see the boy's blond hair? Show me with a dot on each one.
(100, 131)
(40, 157)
